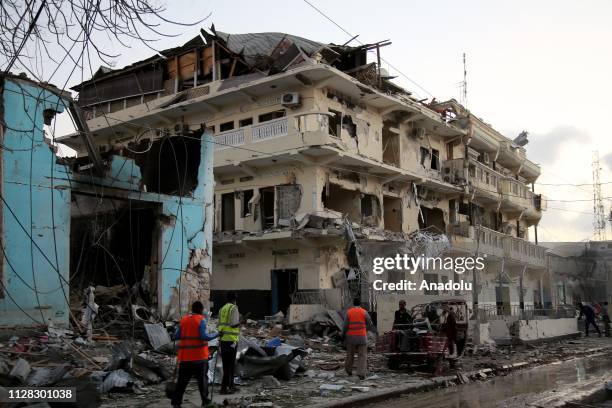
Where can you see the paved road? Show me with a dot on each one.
(546, 386)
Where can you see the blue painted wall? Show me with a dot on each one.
(41, 204)
(35, 211)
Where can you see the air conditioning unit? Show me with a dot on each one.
(290, 99)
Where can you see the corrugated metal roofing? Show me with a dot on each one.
(255, 45)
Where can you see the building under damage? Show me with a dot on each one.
(106, 219)
(581, 272)
(321, 164)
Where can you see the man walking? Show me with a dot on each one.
(229, 327)
(355, 331)
(589, 314)
(192, 354)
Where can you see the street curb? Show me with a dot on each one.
(427, 385)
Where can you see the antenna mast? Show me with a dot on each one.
(464, 83)
(599, 215)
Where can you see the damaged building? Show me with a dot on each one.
(106, 220)
(322, 163)
(580, 272)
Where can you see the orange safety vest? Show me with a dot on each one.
(191, 347)
(356, 322)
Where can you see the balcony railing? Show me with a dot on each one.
(269, 130)
(277, 128)
(225, 140)
(527, 312)
(482, 240)
(519, 250)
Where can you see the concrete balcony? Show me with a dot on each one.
(282, 134)
(518, 198)
(523, 252)
(479, 240)
(482, 181)
(510, 155)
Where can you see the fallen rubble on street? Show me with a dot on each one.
(278, 365)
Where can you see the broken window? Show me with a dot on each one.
(245, 122)
(392, 213)
(171, 165)
(444, 279)
(349, 125)
(425, 157)
(452, 211)
(370, 211)
(366, 205)
(435, 159)
(227, 212)
(271, 115)
(342, 200)
(246, 210)
(224, 127)
(391, 147)
(430, 278)
(432, 218)
(288, 202)
(267, 207)
(472, 170)
(334, 123)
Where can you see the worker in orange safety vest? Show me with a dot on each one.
(355, 333)
(192, 353)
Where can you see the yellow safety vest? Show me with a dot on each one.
(229, 333)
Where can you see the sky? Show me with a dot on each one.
(540, 66)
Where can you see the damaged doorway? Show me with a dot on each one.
(112, 248)
(392, 213)
(228, 215)
(267, 207)
(502, 299)
(284, 283)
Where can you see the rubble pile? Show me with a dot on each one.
(277, 364)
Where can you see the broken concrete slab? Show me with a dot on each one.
(118, 380)
(331, 387)
(21, 370)
(268, 381)
(157, 334)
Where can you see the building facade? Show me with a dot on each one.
(322, 164)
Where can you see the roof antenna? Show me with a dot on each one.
(464, 83)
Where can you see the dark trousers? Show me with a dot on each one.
(588, 323)
(188, 369)
(228, 357)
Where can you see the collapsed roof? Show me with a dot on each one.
(238, 55)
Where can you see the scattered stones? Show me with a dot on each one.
(331, 387)
(269, 381)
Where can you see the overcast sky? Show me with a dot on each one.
(541, 66)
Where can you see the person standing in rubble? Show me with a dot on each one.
(589, 314)
(450, 329)
(402, 317)
(356, 323)
(229, 327)
(192, 353)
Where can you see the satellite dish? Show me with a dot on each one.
(521, 139)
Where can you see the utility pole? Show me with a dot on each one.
(599, 215)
